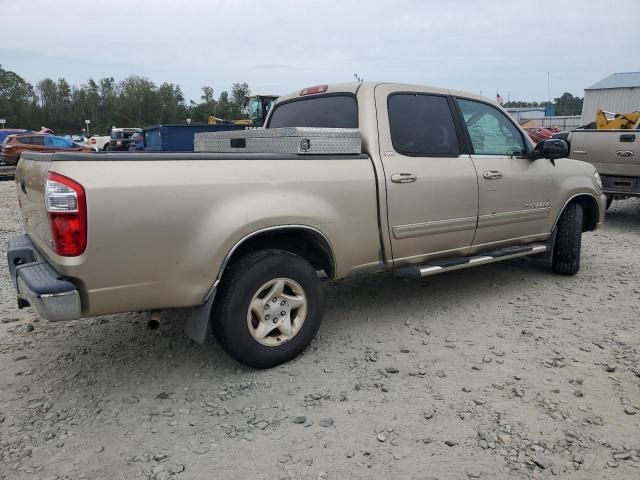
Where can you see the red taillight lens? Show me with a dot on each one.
(93, 141)
(67, 209)
(312, 90)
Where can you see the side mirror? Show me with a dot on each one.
(551, 148)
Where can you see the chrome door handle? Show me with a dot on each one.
(492, 174)
(403, 178)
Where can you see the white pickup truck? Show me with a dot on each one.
(241, 242)
(100, 142)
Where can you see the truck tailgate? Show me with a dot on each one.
(612, 152)
(31, 180)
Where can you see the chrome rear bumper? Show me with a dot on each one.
(39, 285)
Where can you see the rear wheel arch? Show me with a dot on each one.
(302, 240)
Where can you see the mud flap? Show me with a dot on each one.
(197, 320)
(546, 258)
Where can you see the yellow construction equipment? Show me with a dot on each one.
(256, 106)
(616, 121)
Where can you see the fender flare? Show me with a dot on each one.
(569, 200)
(197, 319)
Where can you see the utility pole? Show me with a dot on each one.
(548, 89)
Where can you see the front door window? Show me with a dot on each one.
(492, 133)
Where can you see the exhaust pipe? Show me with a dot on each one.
(154, 319)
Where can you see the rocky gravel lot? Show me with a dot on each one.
(505, 371)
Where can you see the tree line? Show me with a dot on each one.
(133, 102)
(137, 102)
(565, 104)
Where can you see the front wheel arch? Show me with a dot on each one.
(590, 211)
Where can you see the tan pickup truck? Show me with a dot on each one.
(241, 243)
(616, 155)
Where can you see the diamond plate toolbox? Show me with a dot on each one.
(298, 140)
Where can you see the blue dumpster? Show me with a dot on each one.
(178, 137)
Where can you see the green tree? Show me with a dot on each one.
(133, 101)
(567, 104)
(17, 99)
(223, 106)
(239, 91)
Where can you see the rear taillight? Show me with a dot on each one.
(93, 141)
(67, 210)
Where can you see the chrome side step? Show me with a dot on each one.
(441, 266)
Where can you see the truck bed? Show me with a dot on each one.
(172, 217)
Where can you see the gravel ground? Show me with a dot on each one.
(504, 371)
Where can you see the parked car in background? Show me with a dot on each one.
(79, 139)
(5, 132)
(14, 145)
(100, 142)
(537, 134)
(7, 170)
(121, 137)
(137, 142)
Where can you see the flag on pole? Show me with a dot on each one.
(499, 98)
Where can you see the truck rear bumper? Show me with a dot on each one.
(613, 185)
(7, 170)
(38, 284)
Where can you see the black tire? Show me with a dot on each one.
(106, 147)
(609, 201)
(243, 280)
(566, 253)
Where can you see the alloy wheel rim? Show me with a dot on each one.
(277, 312)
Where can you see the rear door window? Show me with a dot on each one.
(422, 125)
(37, 140)
(328, 111)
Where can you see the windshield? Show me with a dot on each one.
(255, 110)
(328, 111)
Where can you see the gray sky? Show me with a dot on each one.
(278, 46)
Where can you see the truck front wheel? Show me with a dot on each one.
(268, 309)
(566, 253)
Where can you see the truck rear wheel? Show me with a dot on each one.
(268, 309)
(566, 253)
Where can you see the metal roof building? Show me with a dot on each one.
(619, 93)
